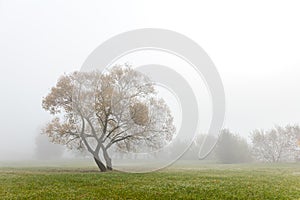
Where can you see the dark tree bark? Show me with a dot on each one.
(100, 165)
(107, 160)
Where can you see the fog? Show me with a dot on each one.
(255, 46)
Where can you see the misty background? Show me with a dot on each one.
(254, 45)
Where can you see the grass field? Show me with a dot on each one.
(181, 181)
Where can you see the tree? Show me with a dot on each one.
(232, 148)
(95, 111)
(277, 144)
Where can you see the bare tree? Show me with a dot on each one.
(277, 144)
(95, 111)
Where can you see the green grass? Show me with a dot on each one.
(182, 181)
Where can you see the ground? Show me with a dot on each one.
(185, 180)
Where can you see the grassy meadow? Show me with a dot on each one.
(184, 180)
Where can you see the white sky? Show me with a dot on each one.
(255, 46)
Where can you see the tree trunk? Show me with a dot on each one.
(100, 165)
(107, 160)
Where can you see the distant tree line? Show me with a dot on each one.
(279, 144)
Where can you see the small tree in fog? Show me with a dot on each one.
(277, 144)
(232, 148)
(95, 111)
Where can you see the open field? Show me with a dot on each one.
(181, 181)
